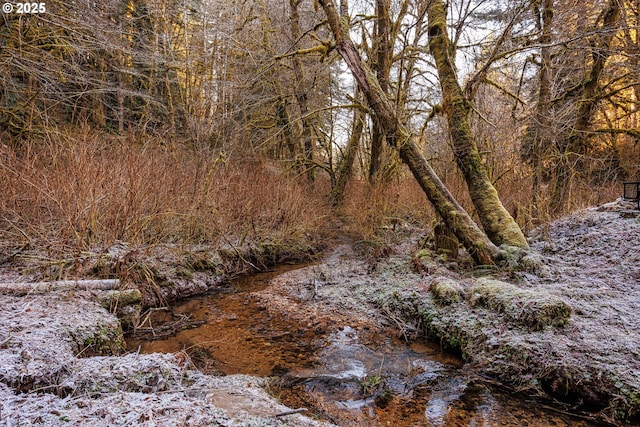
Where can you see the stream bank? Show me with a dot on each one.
(565, 327)
(561, 323)
(587, 355)
(344, 369)
(63, 359)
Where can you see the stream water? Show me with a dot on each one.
(345, 375)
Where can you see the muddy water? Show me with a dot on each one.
(348, 376)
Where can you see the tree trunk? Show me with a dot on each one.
(375, 159)
(301, 95)
(542, 125)
(345, 164)
(382, 66)
(455, 217)
(576, 145)
(282, 119)
(496, 221)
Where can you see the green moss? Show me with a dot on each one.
(424, 253)
(186, 272)
(370, 384)
(446, 291)
(114, 299)
(534, 309)
(633, 400)
(200, 261)
(104, 339)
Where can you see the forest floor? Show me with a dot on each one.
(561, 323)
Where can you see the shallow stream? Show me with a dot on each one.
(341, 374)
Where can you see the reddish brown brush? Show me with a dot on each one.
(78, 190)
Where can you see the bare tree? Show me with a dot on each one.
(574, 145)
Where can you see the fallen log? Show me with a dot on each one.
(26, 288)
(112, 299)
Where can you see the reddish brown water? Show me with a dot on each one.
(351, 377)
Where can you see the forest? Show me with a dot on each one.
(465, 159)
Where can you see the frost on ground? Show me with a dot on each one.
(44, 380)
(594, 258)
(567, 325)
(564, 322)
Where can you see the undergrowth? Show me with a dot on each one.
(384, 212)
(74, 191)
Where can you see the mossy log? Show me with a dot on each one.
(533, 309)
(113, 298)
(21, 289)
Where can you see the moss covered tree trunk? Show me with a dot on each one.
(345, 164)
(455, 217)
(301, 95)
(496, 221)
(382, 66)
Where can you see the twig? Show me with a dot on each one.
(239, 254)
(21, 231)
(291, 412)
(14, 254)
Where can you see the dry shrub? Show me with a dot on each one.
(377, 213)
(74, 191)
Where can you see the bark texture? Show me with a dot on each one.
(345, 164)
(382, 67)
(541, 125)
(496, 220)
(301, 95)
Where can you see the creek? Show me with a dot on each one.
(347, 375)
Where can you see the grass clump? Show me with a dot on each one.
(534, 309)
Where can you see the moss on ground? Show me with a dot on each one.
(447, 291)
(544, 339)
(98, 339)
(535, 309)
(506, 348)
